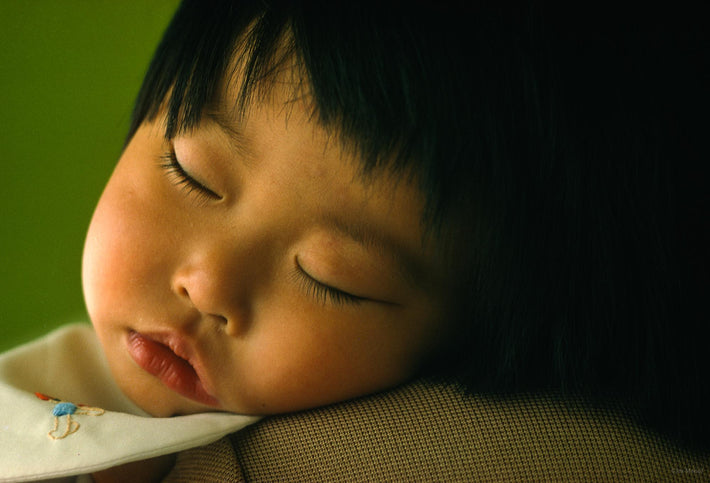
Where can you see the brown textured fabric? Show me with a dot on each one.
(429, 432)
(214, 463)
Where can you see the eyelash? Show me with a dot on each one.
(182, 179)
(324, 293)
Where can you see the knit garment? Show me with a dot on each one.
(432, 432)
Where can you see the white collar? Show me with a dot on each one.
(68, 364)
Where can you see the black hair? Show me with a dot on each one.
(351, 83)
(558, 156)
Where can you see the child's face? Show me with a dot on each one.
(227, 282)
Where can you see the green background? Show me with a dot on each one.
(69, 72)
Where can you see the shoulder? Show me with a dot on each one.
(429, 430)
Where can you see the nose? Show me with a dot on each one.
(208, 283)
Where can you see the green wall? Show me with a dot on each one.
(69, 71)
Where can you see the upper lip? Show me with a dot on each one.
(185, 349)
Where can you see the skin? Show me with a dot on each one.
(225, 273)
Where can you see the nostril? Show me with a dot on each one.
(199, 292)
(220, 318)
(182, 291)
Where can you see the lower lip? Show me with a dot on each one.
(173, 371)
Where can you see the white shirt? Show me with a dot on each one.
(69, 365)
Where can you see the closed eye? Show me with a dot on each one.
(183, 179)
(322, 292)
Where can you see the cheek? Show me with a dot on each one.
(101, 255)
(298, 365)
(117, 252)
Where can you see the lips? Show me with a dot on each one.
(161, 361)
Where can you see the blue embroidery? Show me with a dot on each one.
(64, 408)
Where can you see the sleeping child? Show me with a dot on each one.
(318, 201)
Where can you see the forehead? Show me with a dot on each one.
(381, 209)
(283, 84)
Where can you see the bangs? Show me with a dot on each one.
(187, 68)
(357, 65)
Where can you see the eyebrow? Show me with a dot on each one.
(411, 269)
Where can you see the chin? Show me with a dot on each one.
(157, 400)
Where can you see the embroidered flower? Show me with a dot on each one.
(65, 408)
